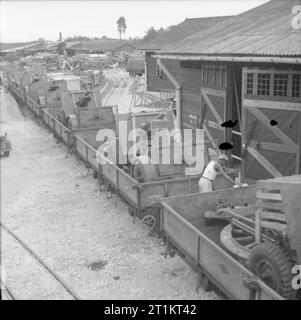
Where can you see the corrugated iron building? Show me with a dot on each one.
(155, 77)
(246, 68)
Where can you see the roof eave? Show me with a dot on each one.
(230, 58)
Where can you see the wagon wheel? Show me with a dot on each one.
(149, 222)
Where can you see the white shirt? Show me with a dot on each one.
(210, 172)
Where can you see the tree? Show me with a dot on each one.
(150, 34)
(121, 26)
(61, 48)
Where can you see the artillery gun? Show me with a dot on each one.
(140, 165)
(51, 98)
(265, 236)
(82, 109)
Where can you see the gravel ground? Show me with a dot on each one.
(51, 203)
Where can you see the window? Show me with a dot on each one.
(280, 84)
(263, 87)
(250, 82)
(273, 84)
(217, 77)
(296, 86)
(214, 76)
(210, 76)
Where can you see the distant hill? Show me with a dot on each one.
(6, 46)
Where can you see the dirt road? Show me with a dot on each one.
(9, 108)
(49, 201)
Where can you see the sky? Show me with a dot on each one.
(29, 20)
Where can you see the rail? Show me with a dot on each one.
(55, 275)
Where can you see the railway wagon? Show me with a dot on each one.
(183, 224)
(141, 198)
(136, 66)
(198, 246)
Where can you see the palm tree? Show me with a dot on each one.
(121, 26)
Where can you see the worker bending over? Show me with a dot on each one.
(211, 171)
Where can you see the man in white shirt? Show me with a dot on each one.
(211, 171)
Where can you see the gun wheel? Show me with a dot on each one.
(273, 265)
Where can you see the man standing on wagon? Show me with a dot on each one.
(211, 171)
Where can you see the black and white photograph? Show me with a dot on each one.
(150, 152)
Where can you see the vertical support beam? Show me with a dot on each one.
(258, 225)
(237, 104)
(179, 104)
(228, 106)
(298, 156)
(243, 123)
(146, 70)
(178, 91)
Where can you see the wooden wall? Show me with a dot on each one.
(190, 82)
(154, 83)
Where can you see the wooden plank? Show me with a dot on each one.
(268, 104)
(212, 108)
(270, 71)
(270, 146)
(273, 216)
(264, 162)
(214, 125)
(237, 104)
(273, 225)
(280, 183)
(298, 159)
(270, 205)
(258, 225)
(275, 130)
(215, 92)
(243, 126)
(268, 196)
(213, 142)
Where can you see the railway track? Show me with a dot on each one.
(9, 292)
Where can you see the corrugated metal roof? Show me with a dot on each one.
(101, 45)
(176, 33)
(265, 30)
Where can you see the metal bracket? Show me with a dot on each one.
(252, 283)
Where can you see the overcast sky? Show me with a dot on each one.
(30, 20)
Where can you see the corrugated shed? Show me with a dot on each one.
(176, 33)
(103, 45)
(265, 30)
